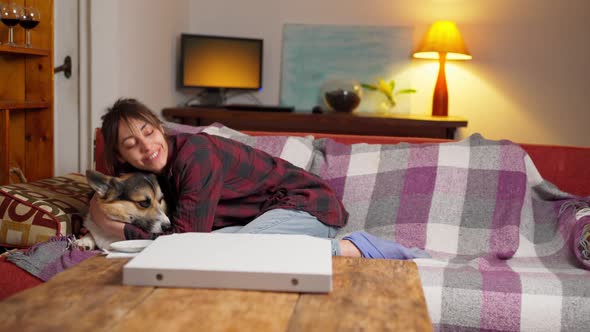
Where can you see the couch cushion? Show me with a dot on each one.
(216, 129)
(35, 211)
(296, 150)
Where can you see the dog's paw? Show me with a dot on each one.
(85, 243)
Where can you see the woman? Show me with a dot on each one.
(214, 184)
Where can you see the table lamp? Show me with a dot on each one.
(443, 42)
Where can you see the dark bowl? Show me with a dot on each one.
(342, 100)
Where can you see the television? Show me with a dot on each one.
(220, 63)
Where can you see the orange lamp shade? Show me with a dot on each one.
(442, 41)
(442, 37)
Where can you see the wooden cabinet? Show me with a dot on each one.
(26, 98)
(333, 123)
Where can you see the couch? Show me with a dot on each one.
(506, 224)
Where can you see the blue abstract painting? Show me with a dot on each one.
(315, 54)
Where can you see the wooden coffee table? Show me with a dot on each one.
(367, 295)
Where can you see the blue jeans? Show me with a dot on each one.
(283, 221)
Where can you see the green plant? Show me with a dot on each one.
(388, 89)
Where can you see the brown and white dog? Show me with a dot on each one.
(133, 198)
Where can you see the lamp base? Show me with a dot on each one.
(440, 99)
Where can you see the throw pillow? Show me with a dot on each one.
(296, 150)
(216, 129)
(35, 211)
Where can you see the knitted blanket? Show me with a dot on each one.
(507, 247)
(46, 259)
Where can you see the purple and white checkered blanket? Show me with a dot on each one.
(507, 246)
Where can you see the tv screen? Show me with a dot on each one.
(216, 62)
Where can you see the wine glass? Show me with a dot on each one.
(10, 15)
(1, 5)
(29, 20)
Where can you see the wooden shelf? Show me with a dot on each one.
(18, 105)
(26, 101)
(21, 50)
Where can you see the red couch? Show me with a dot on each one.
(566, 167)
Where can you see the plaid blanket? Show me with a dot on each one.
(507, 247)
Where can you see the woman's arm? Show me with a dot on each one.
(197, 204)
(202, 175)
(198, 179)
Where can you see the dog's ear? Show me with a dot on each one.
(99, 182)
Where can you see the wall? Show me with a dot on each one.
(527, 80)
(133, 47)
(66, 98)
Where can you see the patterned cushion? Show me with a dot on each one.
(35, 211)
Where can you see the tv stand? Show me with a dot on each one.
(213, 96)
(404, 125)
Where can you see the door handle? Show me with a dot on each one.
(66, 67)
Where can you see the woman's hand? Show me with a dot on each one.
(112, 227)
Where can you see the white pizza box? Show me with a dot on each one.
(292, 263)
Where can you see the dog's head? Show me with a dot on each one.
(133, 198)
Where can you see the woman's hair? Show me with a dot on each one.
(124, 109)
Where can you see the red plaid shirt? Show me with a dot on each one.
(212, 182)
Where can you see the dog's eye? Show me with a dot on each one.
(145, 203)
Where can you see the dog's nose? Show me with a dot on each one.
(166, 227)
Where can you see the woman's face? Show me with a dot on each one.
(142, 145)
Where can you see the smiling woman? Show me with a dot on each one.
(133, 135)
(142, 146)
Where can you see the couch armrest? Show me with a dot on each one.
(574, 224)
